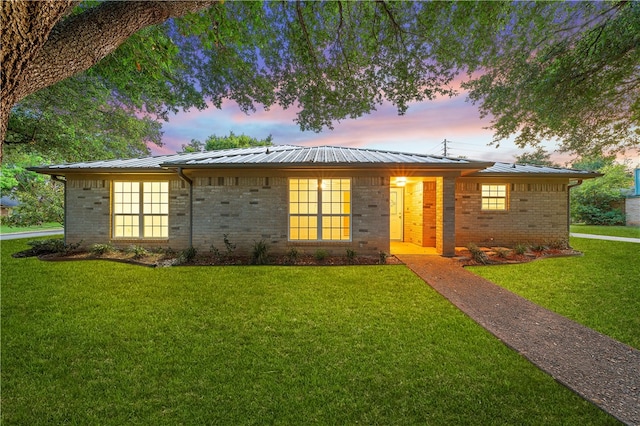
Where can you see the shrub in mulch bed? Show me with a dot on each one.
(475, 256)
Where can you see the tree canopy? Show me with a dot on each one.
(565, 70)
(232, 140)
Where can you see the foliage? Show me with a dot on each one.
(566, 72)
(292, 255)
(78, 119)
(47, 246)
(137, 251)
(40, 198)
(382, 257)
(545, 70)
(594, 202)
(200, 343)
(520, 249)
(320, 255)
(215, 142)
(100, 249)
(477, 254)
(539, 157)
(351, 255)
(260, 253)
(187, 255)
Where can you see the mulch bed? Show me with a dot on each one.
(492, 256)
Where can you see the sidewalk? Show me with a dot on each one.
(606, 237)
(31, 234)
(598, 368)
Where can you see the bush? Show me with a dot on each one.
(520, 249)
(187, 255)
(292, 255)
(477, 254)
(321, 255)
(137, 251)
(259, 254)
(351, 255)
(502, 253)
(49, 246)
(382, 258)
(100, 249)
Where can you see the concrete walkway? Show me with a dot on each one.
(31, 234)
(606, 237)
(600, 369)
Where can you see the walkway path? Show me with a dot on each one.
(606, 237)
(31, 234)
(598, 368)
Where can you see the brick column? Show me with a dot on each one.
(446, 216)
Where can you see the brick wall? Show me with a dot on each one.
(87, 211)
(537, 213)
(253, 208)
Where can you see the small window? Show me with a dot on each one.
(140, 209)
(494, 197)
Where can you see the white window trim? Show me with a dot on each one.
(141, 215)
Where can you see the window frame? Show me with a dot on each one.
(315, 210)
(492, 205)
(142, 207)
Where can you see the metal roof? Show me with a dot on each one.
(501, 169)
(277, 155)
(298, 156)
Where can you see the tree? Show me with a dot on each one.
(77, 119)
(333, 60)
(574, 80)
(538, 157)
(598, 201)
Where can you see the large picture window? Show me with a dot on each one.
(140, 209)
(320, 209)
(494, 197)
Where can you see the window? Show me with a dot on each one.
(140, 209)
(494, 197)
(320, 210)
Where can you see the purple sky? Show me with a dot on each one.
(421, 130)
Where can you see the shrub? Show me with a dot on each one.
(477, 254)
(137, 251)
(520, 249)
(382, 258)
(187, 255)
(560, 244)
(100, 249)
(259, 254)
(351, 255)
(502, 253)
(538, 247)
(292, 255)
(51, 246)
(321, 255)
(227, 244)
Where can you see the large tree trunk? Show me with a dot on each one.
(39, 48)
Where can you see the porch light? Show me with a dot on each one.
(401, 181)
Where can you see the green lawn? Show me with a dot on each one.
(600, 290)
(94, 342)
(616, 231)
(4, 229)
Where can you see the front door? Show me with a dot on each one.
(396, 198)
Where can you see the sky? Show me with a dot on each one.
(422, 129)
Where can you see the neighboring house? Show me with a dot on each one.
(6, 205)
(312, 198)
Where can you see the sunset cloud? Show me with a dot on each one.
(422, 129)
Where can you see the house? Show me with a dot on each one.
(310, 198)
(632, 202)
(7, 204)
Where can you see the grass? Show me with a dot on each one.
(4, 229)
(616, 231)
(94, 342)
(599, 290)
